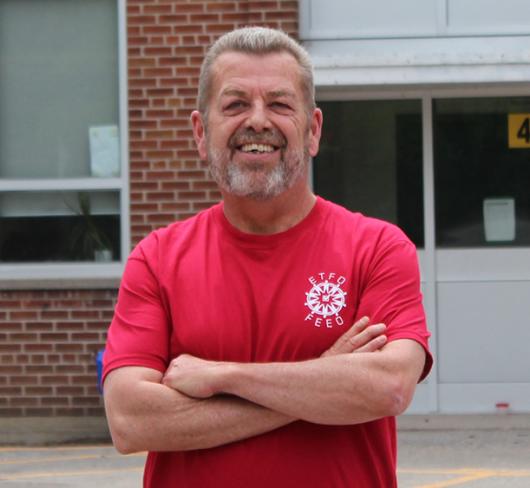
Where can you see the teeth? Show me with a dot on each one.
(257, 148)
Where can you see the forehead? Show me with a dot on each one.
(268, 72)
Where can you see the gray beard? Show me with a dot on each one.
(254, 180)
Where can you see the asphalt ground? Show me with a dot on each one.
(427, 459)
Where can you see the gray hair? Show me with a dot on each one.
(258, 41)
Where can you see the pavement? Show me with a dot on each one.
(433, 456)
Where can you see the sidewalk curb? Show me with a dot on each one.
(464, 422)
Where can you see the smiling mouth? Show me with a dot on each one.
(257, 148)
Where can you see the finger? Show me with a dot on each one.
(374, 345)
(352, 342)
(343, 343)
(344, 339)
(361, 339)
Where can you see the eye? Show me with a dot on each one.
(281, 106)
(235, 106)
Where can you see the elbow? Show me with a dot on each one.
(397, 398)
(122, 436)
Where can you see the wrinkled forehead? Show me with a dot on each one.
(275, 72)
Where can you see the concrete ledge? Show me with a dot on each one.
(28, 431)
(464, 422)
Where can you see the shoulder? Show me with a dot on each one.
(370, 231)
(170, 238)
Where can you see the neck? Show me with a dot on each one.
(269, 216)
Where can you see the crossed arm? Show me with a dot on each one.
(199, 404)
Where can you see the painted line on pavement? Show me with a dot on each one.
(56, 474)
(12, 462)
(464, 475)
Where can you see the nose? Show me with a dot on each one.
(258, 119)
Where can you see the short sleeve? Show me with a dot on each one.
(138, 333)
(391, 295)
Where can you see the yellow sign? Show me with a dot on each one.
(518, 130)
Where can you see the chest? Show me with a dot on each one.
(284, 304)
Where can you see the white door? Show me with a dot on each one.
(481, 153)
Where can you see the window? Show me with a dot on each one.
(482, 170)
(63, 166)
(370, 160)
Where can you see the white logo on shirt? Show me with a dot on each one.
(326, 299)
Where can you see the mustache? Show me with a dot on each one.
(271, 136)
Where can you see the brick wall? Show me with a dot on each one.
(48, 339)
(48, 342)
(167, 41)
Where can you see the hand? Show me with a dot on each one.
(192, 376)
(361, 337)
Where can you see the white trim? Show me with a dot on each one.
(59, 271)
(430, 243)
(123, 92)
(304, 16)
(66, 184)
(422, 61)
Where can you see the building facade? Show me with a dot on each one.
(427, 125)
(96, 150)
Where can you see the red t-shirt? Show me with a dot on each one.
(204, 288)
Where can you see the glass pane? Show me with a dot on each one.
(59, 79)
(59, 226)
(482, 175)
(370, 160)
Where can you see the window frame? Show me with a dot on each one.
(82, 274)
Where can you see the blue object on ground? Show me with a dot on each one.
(99, 367)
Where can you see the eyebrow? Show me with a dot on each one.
(232, 92)
(235, 92)
(281, 93)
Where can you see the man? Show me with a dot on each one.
(230, 356)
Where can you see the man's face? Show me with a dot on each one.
(259, 135)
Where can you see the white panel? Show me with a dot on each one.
(488, 16)
(359, 18)
(507, 264)
(421, 401)
(483, 398)
(483, 332)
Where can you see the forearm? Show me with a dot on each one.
(157, 418)
(342, 389)
(317, 391)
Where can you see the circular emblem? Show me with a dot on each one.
(326, 299)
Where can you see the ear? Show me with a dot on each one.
(199, 134)
(315, 131)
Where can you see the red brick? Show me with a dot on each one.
(141, 19)
(9, 370)
(157, 9)
(190, 7)
(70, 390)
(25, 315)
(11, 412)
(70, 411)
(220, 6)
(38, 412)
(22, 380)
(174, 19)
(53, 337)
(55, 401)
(68, 347)
(157, 30)
(7, 348)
